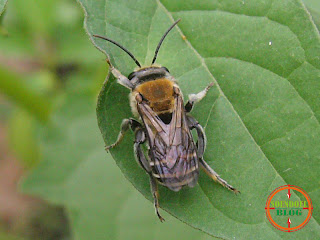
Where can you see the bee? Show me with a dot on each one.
(164, 124)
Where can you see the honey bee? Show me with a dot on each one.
(164, 125)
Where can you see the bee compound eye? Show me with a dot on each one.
(131, 75)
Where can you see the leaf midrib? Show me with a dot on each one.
(222, 94)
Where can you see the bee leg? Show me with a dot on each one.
(155, 194)
(215, 176)
(140, 139)
(194, 98)
(202, 140)
(123, 80)
(193, 123)
(126, 123)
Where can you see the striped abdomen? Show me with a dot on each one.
(175, 166)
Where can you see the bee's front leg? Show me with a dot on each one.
(193, 98)
(126, 123)
(123, 80)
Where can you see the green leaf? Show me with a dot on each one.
(13, 86)
(313, 4)
(315, 16)
(6, 236)
(77, 173)
(2, 5)
(261, 118)
(22, 139)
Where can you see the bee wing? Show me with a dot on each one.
(172, 149)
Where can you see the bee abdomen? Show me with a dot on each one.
(175, 175)
(183, 172)
(174, 184)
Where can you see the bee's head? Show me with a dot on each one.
(148, 74)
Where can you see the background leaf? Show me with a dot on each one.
(15, 88)
(313, 4)
(2, 5)
(314, 9)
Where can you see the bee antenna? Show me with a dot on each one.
(123, 48)
(161, 40)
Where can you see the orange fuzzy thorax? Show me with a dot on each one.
(159, 94)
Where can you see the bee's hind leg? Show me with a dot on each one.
(126, 123)
(201, 145)
(140, 138)
(215, 176)
(155, 194)
(194, 98)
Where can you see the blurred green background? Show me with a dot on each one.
(44, 52)
(45, 55)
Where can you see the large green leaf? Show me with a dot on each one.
(77, 173)
(261, 118)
